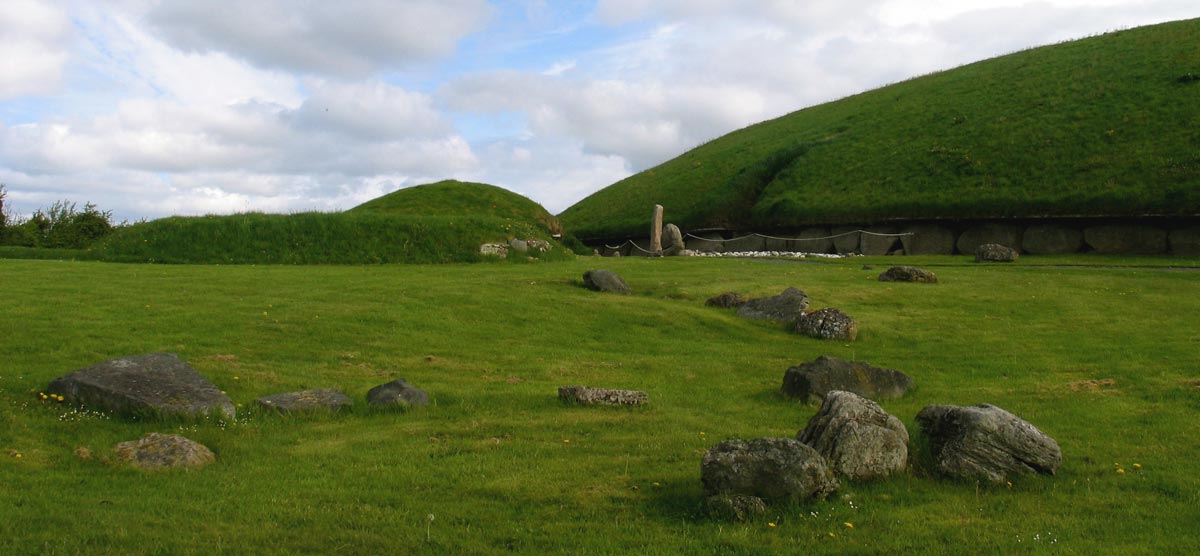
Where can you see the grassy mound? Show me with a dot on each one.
(452, 198)
(1104, 126)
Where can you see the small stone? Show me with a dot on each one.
(788, 306)
(585, 395)
(605, 281)
(727, 300)
(397, 393)
(908, 274)
(320, 399)
(827, 324)
(83, 453)
(162, 451)
(735, 507)
(996, 253)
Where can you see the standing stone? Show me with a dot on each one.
(858, 438)
(827, 324)
(672, 240)
(605, 281)
(878, 240)
(656, 223)
(162, 451)
(1126, 240)
(825, 374)
(1185, 242)
(908, 274)
(1002, 234)
(156, 383)
(995, 253)
(845, 239)
(987, 442)
(769, 468)
(305, 401)
(928, 239)
(397, 393)
(785, 307)
(1051, 239)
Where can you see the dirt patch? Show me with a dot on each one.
(1091, 385)
(1194, 384)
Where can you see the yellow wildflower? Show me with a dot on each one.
(848, 525)
(1137, 466)
(771, 525)
(1120, 471)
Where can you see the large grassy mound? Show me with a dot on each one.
(1108, 125)
(453, 198)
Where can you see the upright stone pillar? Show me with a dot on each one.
(656, 231)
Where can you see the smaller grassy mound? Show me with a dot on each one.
(452, 198)
(360, 237)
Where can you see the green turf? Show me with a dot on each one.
(489, 459)
(455, 198)
(1108, 125)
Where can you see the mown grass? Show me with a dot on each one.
(1101, 126)
(490, 458)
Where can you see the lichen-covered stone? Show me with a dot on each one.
(827, 324)
(908, 274)
(769, 468)
(995, 253)
(816, 378)
(986, 442)
(158, 384)
(788, 306)
(304, 401)
(397, 393)
(585, 395)
(858, 438)
(163, 451)
(727, 300)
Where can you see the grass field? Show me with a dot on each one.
(496, 464)
(1103, 126)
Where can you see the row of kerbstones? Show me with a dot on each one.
(163, 385)
(852, 438)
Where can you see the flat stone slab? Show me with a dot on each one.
(585, 395)
(785, 307)
(305, 401)
(153, 384)
(397, 393)
(164, 451)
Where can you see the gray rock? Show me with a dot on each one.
(750, 242)
(397, 393)
(518, 245)
(788, 306)
(672, 240)
(817, 378)
(908, 274)
(585, 395)
(827, 324)
(987, 442)
(928, 239)
(708, 241)
(995, 253)
(152, 384)
(735, 507)
(727, 300)
(1051, 239)
(768, 468)
(163, 451)
(1185, 242)
(1126, 240)
(494, 250)
(858, 438)
(1001, 234)
(304, 401)
(872, 244)
(605, 281)
(538, 245)
(845, 240)
(813, 240)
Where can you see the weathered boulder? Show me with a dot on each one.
(605, 281)
(769, 468)
(152, 384)
(827, 324)
(908, 274)
(749, 242)
(985, 441)
(788, 306)
(397, 393)
(518, 245)
(995, 253)
(878, 240)
(928, 239)
(727, 300)
(1126, 240)
(735, 507)
(858, 438)
(813, 240)
(1051, 239)
(163, 451)
(672, 240)
(845, 239)
(1185, 242)
(1002, 234)
(585, 395)
(825, 374)
(304, 401)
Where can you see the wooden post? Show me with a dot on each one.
(656, 231)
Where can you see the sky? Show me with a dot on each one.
(153, 108)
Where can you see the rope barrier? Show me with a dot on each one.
(689, 234)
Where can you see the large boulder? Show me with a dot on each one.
(1003, 234)
(163, 451)
(1126, 239)
(605, 281)
(817, 378)
(727, 300)
(785, 307)
(878, 240)
(845, 239)
(672, 240)
(995, 253)
(987, 442)
(769, 468)
(1051, 239)
(397, 394)
(908, 274)
(306, 401)
(153, 384)
(858, 438)
(1185, 242)
(827, 324)
(928, 239)
(586, 395)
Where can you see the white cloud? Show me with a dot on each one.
(33, 38)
